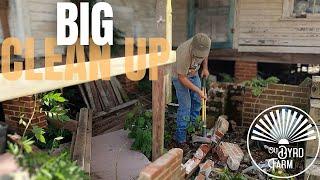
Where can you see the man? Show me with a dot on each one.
(190, 55)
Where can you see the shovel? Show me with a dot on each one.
(204, 108)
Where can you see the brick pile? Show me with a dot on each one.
(23, 107)
(231, 154)
(166, 167)
(274, 94)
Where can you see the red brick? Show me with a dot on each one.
(27, 98)
(276, 86)
(268, 102)
(292, 99)
(284, 93)
(274, 97)
(165, 167)
(291, 88)
(301, 94)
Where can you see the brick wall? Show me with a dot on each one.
(245, 70)
(23, 106)
(167, 167)
(274, 94)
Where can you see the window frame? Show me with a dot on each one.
(287, 12)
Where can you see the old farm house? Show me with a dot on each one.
(251, 38)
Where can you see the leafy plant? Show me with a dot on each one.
(226, 77)
(140, 127)
(54, 106)
(225, 174)
(194, 127)
(43, 166)
(279, 173)
(258, 84)
(139, 123)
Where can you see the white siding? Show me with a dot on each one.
(262, 29)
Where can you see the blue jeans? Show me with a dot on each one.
(189, 106)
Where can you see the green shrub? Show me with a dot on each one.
(43, 166)
(140, 127)
(258, 84)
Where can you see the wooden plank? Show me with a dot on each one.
(168, 35)
(163, 8)
(108, 89)
(281, 49)
(287, 58)
(95, 96)
(115, 90)
(70, 125)
(84, 96)
(23, 87)
(158, 113)
(80, 142)
(74, 135)
(88, 144)
(114, 109)
(108, 123)
(90, 96)
(103, 94)
(123, 93)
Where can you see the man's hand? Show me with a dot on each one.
(205, 73)
(201, 94)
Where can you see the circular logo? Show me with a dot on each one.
(276, 141)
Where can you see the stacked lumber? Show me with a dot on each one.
(101, 95)
(81, 140)
(109, 102)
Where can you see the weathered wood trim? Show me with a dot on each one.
(280, 49)
(160, 86)
(23, 87)
(267, 57)
(287, 8)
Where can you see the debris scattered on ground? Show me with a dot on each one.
(192, 164)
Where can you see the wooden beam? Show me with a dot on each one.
(168, 75)
(283, 58)
(23, 87)
(163, 11)
(158, 110)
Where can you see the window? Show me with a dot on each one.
(306, 8)
(301, 9)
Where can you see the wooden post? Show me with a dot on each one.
(163, 84)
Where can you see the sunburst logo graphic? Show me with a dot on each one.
(281, 132)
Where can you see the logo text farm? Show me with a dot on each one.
(281, 131)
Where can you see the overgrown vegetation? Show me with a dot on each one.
(258, 84)
(139, 123)
(279, 173)
(54, 105)
(43, 165)
(226, 77)
(195, 127)
(140, 126)
(225, 174)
